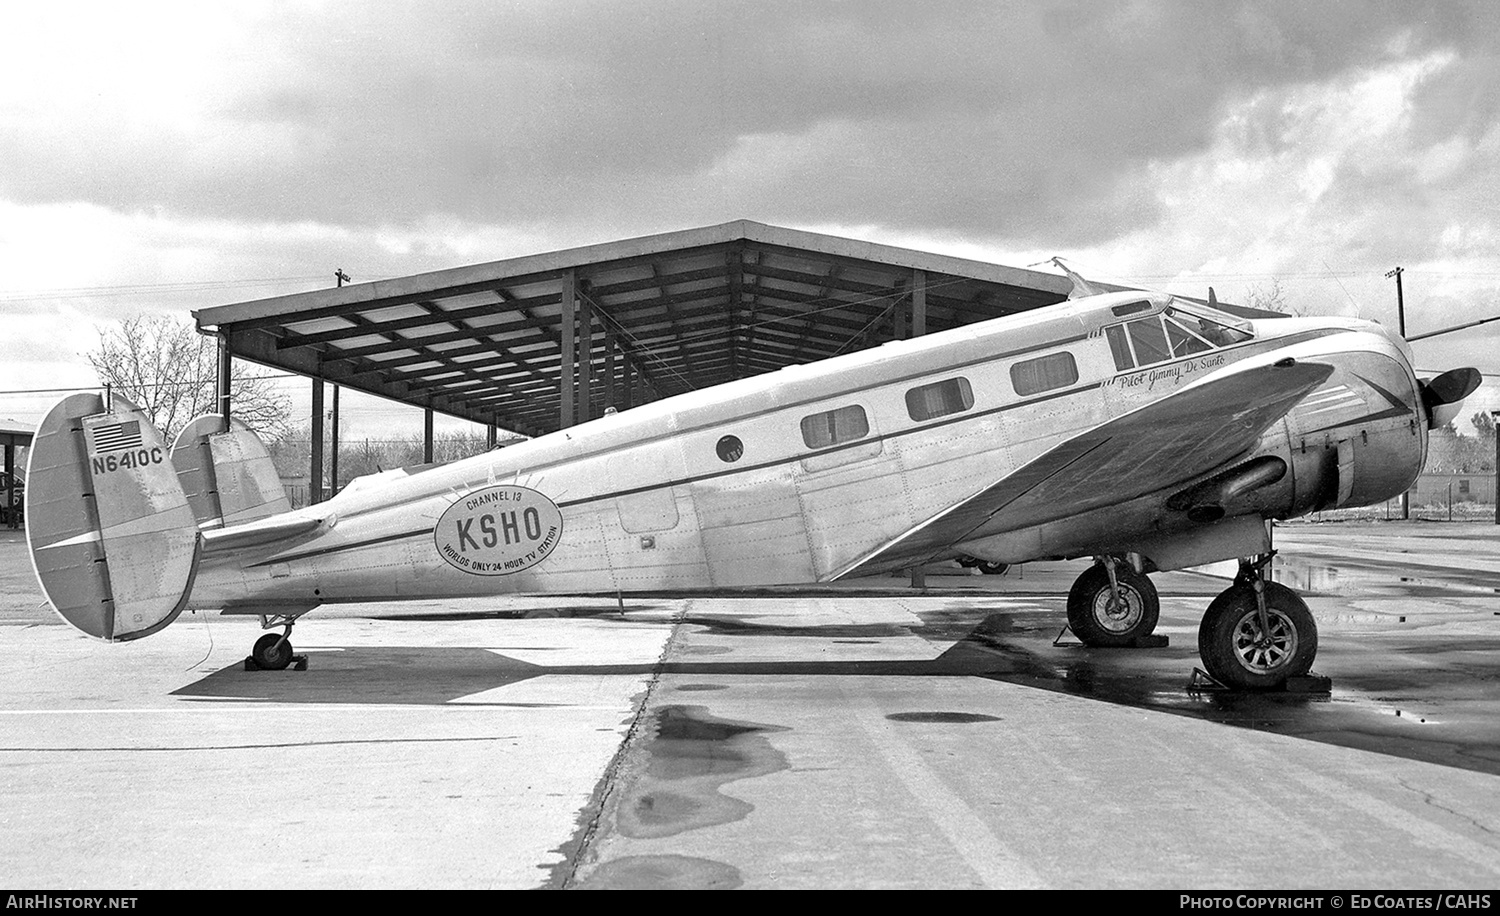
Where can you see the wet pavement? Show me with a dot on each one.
(858, 736)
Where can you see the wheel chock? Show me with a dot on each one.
(1308, 683)
(299, 663)
(1140, 642)
(1201, 681)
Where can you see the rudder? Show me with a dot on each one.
(112, 537)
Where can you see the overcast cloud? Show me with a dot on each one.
(170, 157)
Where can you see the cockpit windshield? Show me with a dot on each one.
(1215, 326)
(1173, 333)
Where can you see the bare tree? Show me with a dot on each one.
(1271, 297)
(170, 370)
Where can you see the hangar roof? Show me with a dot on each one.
(683, 310)
(14, 434)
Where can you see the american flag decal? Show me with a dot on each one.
(118, 437)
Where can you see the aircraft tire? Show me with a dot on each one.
(992, 569)
(1228, 638)
(266, 654)
(1089, 615)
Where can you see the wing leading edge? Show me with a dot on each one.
(1186, 434)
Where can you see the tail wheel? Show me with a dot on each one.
(1238, 654)
(1100, 617)
(272, 652)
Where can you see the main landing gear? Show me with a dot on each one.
(1112, 605)
(1257, 634)
(273, 652)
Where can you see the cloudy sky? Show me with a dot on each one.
(160, 157)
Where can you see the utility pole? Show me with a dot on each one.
(1401, 328)
(1495, 415)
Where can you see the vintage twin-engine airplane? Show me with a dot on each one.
(1145, 431)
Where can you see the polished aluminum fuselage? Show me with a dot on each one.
(647, 500)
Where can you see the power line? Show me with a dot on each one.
(138, 289)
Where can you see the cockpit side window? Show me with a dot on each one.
(1149, 341)
(1217, 329)
(1119, 347)
(1184, 341)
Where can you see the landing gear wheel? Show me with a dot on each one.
(992, 569)
(272, 652)
(1099, 618)
(1238, 655)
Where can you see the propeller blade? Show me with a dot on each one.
(1443, 395)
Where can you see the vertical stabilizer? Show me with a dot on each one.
(111, 535)
(228, 476)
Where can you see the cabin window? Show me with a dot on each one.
(1120, 347)
(730, 449)
(835, 426)
(939, 399)
(1044, 373)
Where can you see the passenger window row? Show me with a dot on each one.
(939, 399)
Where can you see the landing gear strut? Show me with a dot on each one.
(1257, 634)
(273, 652)
(1112, 605)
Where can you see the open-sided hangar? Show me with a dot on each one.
(538, 343)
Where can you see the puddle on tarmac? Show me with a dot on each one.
(1357, 581)
(689, 757)
(1432, 702)
(942, 717)
(663, 873)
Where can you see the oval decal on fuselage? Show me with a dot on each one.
(498, 531)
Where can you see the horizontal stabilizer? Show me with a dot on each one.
(111, 534)
(258, 533)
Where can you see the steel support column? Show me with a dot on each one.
(315, 471)
(609, 366)
(918, 328)
(10, 485)
(585, 360)
(333, 454)
(567, 393)
(427, 436)
(918, 303)
(226, 362)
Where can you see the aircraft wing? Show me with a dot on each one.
(1188, 433)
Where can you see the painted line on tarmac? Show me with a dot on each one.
(996, 863)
